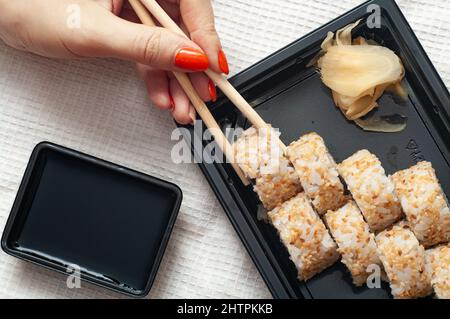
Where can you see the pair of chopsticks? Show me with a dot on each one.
(141, 7)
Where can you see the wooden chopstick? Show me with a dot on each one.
(196, 101)
(221, 81)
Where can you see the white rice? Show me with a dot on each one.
(257, 152)
(403, 259)
(317, 171)
(260, 157)
(275, 189)
(372, 190)
(310, 246)
(246, 152)
(424, 203)
(355, 242)
(438, 268)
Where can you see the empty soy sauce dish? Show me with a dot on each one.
(76, 212)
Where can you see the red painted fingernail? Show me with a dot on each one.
(191, 59)
(223, 63)
(212, 91)
(172, 103)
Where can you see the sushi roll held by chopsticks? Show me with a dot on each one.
(260, 157)
(355, 242)
(424, 203)
(403, 259)
(372, 190)
(305, 236)
(252, 151)
(318, 172)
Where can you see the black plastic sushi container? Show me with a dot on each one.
(76, 213)
(290, 95)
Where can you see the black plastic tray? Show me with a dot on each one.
(113, 223)
(291, 97)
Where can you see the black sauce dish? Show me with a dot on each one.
(77, 212)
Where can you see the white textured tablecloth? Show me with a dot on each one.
(100, 107)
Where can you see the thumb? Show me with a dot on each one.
(153, 46)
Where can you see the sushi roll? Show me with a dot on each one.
(257, 152)
(372, 190)
(247, 153)
(275, 189)
(318, 172)
(355, 242)
(438, 268)
(305, 236)
(260, 157)
(424, 203)
(403, 259)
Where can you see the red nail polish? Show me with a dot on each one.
(212, 91)
(191, 59)
(172, 103)
(223, 63)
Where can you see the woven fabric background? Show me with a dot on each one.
(100, 107)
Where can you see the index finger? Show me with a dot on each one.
(198, 16)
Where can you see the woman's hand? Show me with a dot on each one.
(109, 28)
